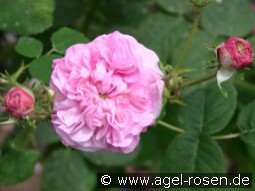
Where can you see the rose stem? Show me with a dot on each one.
(17, 74)
(191, 36)
(217, 137)
(50, 51)
(199, 80)
(177, 129)
(229, 136)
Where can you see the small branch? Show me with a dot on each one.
(199, 80)
(190, 38)
(179, 130)
(164, 124)
(17, 74)
(50, 51)
(229, 136)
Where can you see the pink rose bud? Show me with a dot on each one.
(19, 101)
(235, 53)
(107, 92)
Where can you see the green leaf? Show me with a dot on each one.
(224, 19)
(246, 123)
(238, 153)
(74, 10)
(251, 150)
(123, 12)
(17, 166)
(41, 68)
(65, 170)
(29, 47)
(26, 17)
(111, 159)
(66, 37)
(189, 153)
(163, 34)
(207, 110)
(174, 6)
(45, 134)
(24, 135)
(149, 148)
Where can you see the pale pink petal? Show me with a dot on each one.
(107, 92)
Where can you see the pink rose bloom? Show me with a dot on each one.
(107, 92)
(19, 101)
(235, 53)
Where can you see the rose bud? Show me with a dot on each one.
(235, 53)
(19, 101)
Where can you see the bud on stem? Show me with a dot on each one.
(235, 53)
(19, 101)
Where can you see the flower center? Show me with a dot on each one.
(241, 48)
(16, 99)
(103, 96)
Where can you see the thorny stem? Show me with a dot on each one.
(191, 36)
(179, 130)
(199, 80)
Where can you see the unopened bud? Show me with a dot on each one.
(19, 101)
(235, 53)
(50, 92)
